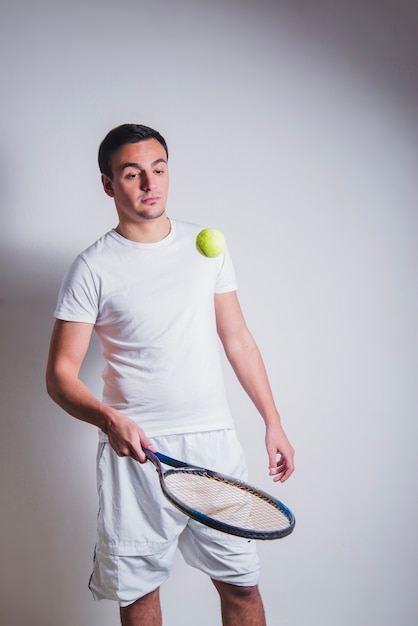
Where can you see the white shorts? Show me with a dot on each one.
(139, 530)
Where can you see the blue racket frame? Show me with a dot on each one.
(157, 458)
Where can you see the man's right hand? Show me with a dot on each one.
(126, 437)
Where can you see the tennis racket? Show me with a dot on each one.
(222, 502)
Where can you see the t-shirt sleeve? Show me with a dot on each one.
(78, 295)
(226, 280)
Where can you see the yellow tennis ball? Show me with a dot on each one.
(210, 242)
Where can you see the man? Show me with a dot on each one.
(158, 307)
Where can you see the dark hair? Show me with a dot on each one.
(121, 135)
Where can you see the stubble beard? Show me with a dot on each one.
(147, 215)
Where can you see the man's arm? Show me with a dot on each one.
(245, 358)
(69, 344)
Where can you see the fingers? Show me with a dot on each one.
(128, 440)
(280, 474)
(145, 443)
(281, 469)
(131, 450)
(280, 453)
(281, 456)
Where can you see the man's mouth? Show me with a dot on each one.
(150, 199)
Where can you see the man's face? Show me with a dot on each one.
(139, 185)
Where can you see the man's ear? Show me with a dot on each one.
(108, 185)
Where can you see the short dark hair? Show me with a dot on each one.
(121, 135)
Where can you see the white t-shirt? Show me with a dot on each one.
(153, 309)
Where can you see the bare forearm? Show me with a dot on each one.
(69, 345)
(248, 365)
(125, 436)
(75, 398)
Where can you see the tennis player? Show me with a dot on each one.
(158, 308)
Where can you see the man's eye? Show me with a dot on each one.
(131, 175)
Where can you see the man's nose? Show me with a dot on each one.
(147, 181)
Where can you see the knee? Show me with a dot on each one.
(236, 593)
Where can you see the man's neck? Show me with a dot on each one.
(150, 231)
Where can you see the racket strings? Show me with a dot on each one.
(226, 501)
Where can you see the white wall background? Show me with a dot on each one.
(292, 127)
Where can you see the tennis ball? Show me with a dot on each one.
(210, 242)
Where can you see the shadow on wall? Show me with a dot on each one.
(47, 522)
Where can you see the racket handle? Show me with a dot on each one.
(167, 460)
